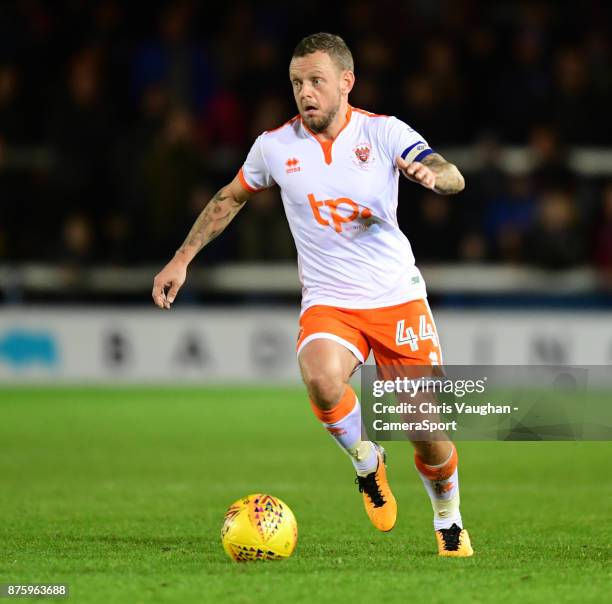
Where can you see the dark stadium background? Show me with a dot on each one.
(125, 431)
(117, 123)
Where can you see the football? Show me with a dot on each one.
(259, 527)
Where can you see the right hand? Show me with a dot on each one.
(172, 276)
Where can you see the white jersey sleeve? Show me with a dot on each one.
(403, 141)
(255, 174)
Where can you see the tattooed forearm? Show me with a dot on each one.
(215, 216)
(448, 178)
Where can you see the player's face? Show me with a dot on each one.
(318, 85)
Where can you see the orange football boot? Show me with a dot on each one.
(454, 542)
(378, 500)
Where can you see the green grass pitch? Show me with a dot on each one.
(121, 494)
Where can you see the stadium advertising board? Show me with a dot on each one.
(137, 346)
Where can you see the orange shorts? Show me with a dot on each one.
(404, 334)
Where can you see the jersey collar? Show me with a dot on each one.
(326, 145)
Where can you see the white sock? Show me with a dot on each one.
(347, 433)
(443, 492)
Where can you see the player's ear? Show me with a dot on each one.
(347, 81)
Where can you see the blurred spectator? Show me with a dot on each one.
(12, 126)
(508, 218)
(262, 229)
(443, 72)
(555, 241)
(222, 131)
(80, 130)
(132, 144)
(434, 235)
(472, 247)
(481, 57)
(270, 111)
(523, 85)
(168, 173)
(375, 68)
(367, 95)
(116, 240)
(482, 186)
(174, 60)
(422, 108)
(230, 35)
(77, 241)
(602, 241)
(263, 64)
(599, 60)
(574, 103)
(549, 164)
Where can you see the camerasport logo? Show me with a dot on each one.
(362, 155)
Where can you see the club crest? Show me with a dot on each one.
(363, 156)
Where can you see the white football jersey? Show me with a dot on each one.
(340, 198)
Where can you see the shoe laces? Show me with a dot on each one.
(451, 537)
(370, 486)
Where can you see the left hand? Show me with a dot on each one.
(417, 172)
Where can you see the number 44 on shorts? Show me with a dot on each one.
(405, 335)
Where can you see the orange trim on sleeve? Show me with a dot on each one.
(344, 406)
(437, 472)
(246, 185)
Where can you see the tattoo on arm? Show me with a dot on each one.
(215, 216)
(448, 178)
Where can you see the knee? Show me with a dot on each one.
(325, 389)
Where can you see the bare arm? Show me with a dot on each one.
(435, 173)
(213, 219)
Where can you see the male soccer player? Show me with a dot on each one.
(337, 168)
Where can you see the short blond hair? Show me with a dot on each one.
(331, 44)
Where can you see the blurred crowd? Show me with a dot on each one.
(119, 121)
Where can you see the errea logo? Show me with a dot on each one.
(292, 165)
(341, 211)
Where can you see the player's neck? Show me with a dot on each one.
(340, 121)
